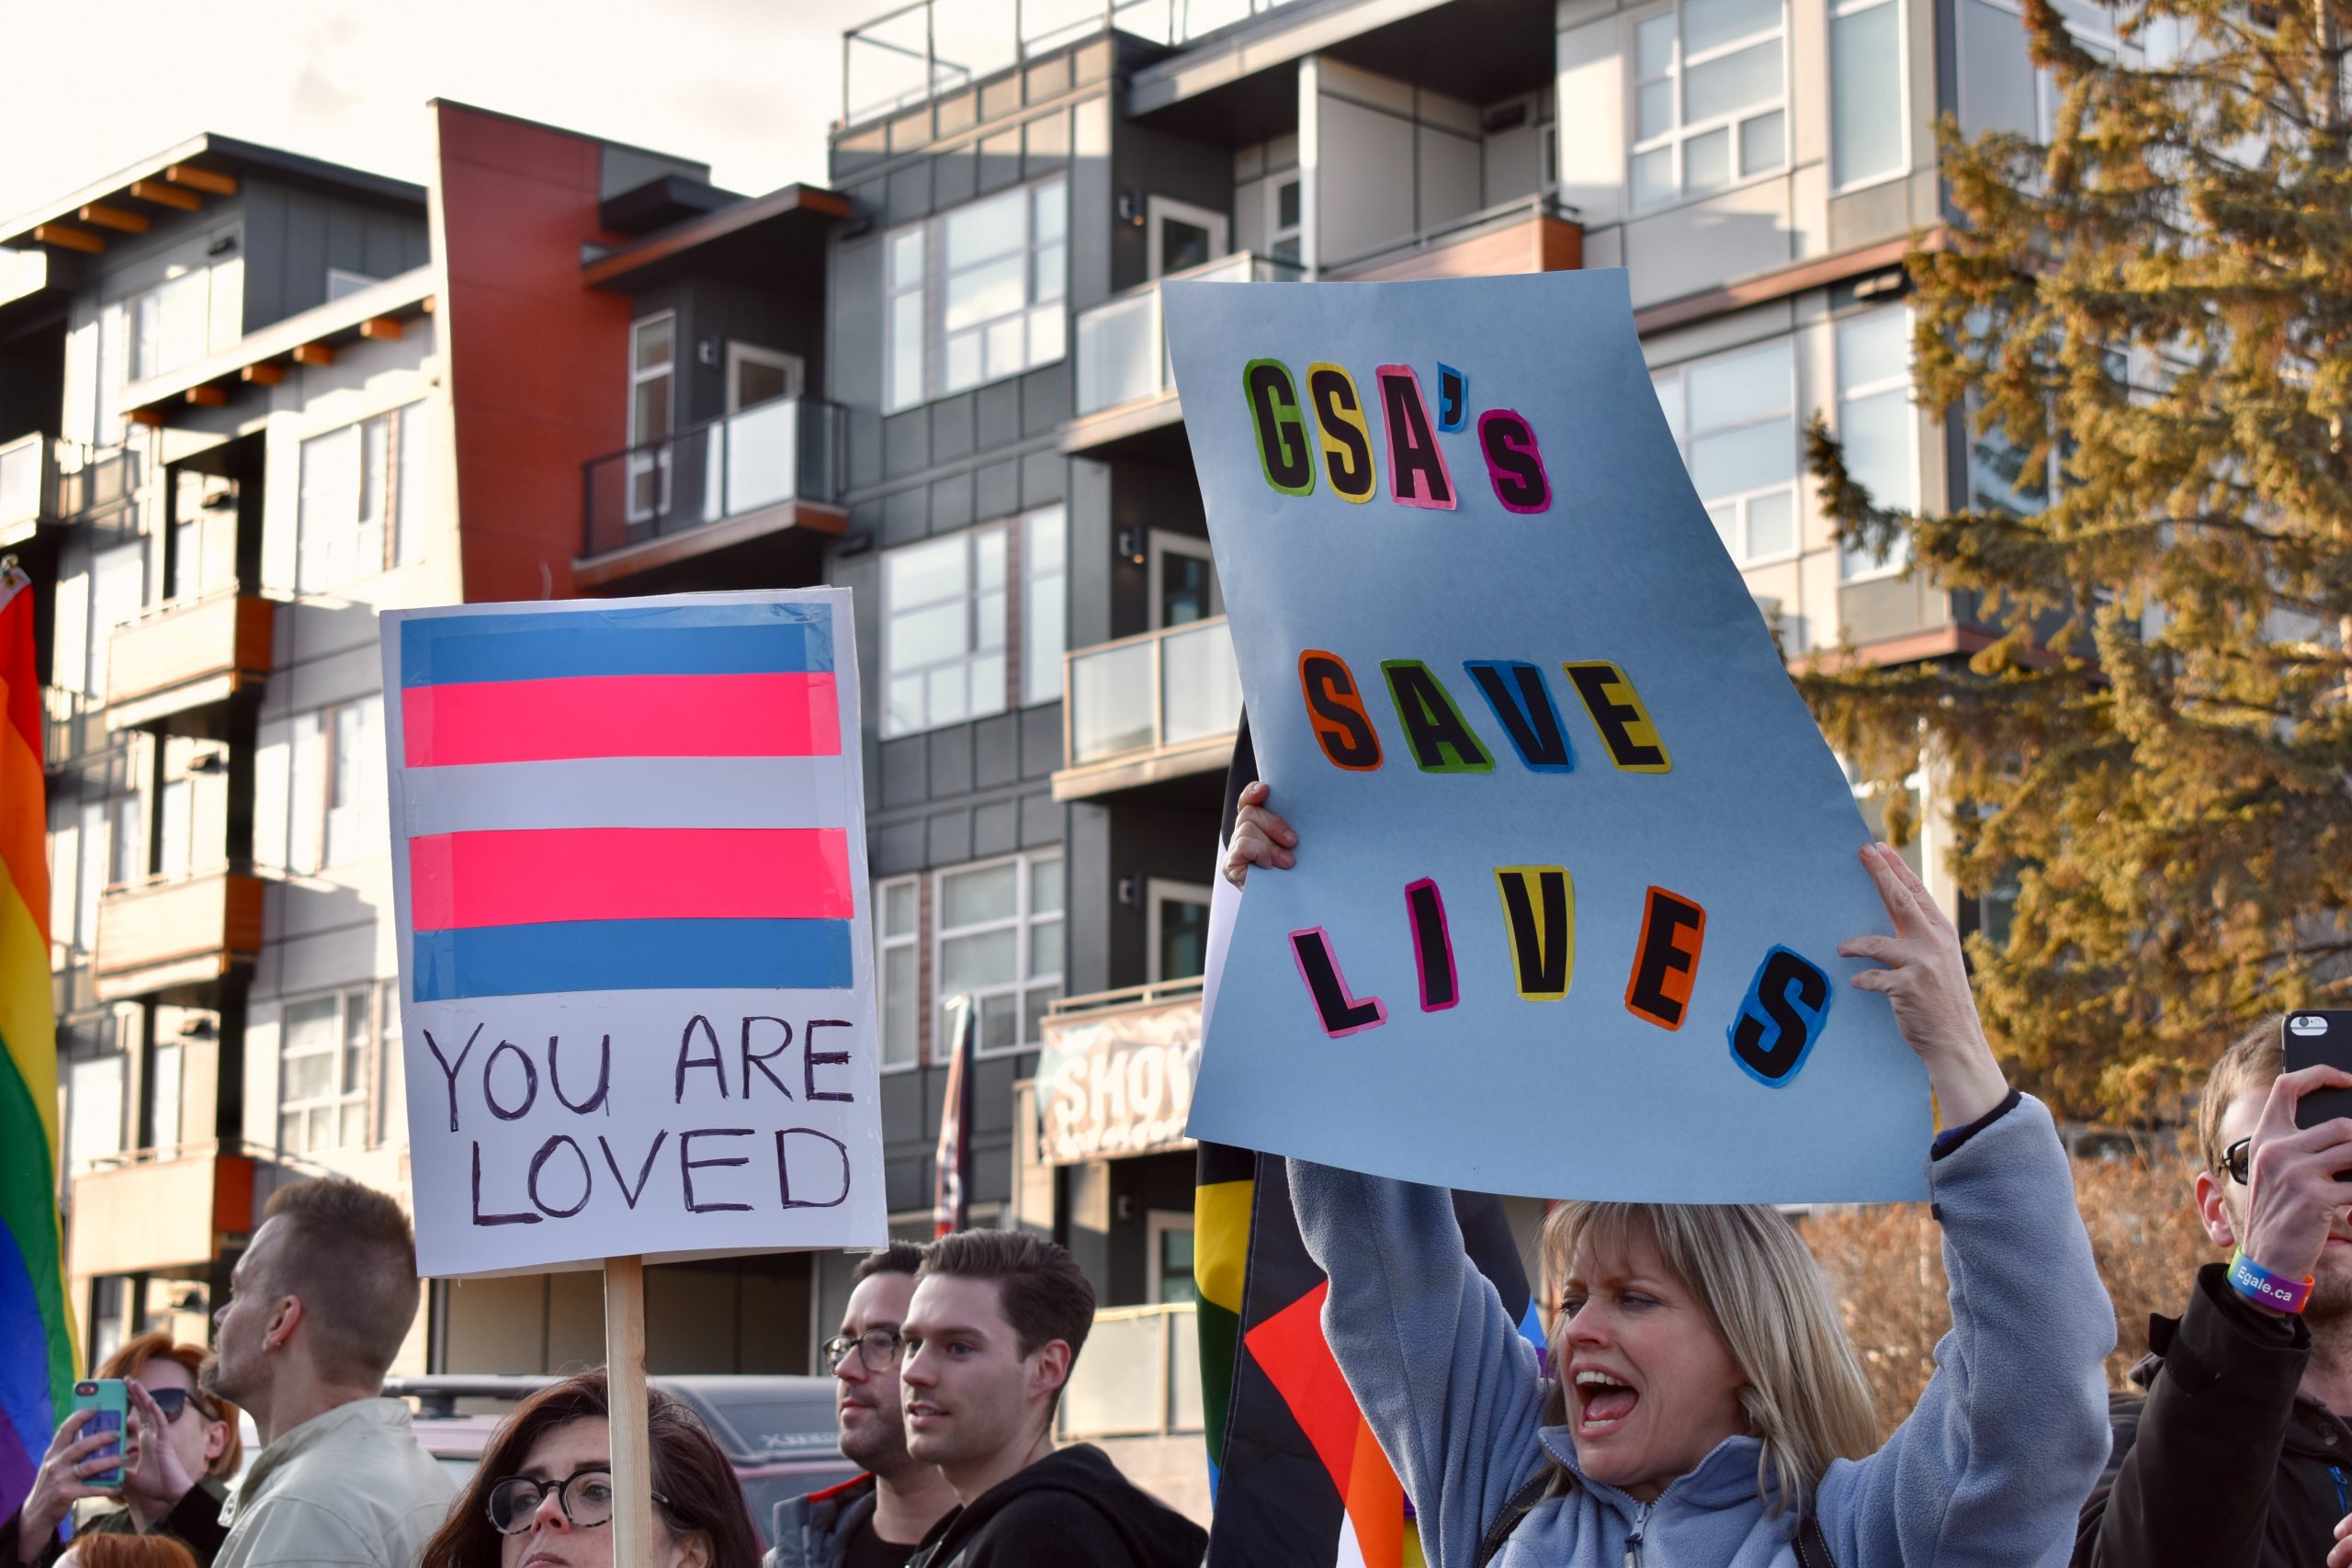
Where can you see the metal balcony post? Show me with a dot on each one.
(929, 53)
(1158, 692)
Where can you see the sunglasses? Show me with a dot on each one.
(172, 1400)
(2236, 1160)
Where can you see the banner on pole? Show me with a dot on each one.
(1575, 860)
(628, 849)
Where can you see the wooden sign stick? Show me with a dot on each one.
(631, 1427)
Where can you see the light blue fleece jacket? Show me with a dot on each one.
(1990, 1469)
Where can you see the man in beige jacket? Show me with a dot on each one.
(319, 1304)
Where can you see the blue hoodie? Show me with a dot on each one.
(1990, 1469)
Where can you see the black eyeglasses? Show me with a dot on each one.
(2235, 1159)
(585, 1496)
(878, 1349)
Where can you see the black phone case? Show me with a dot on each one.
(2330, 1045)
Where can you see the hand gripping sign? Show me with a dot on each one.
(1575, 860)
(628, 849)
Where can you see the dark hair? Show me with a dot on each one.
(1040, 1290)
(156, 1345)
(108, 1551)
(898, 1258)
(347, 1250)
(701, 1488)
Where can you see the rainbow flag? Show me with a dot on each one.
(36, 1354)
(600, 717)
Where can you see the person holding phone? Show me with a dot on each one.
(2238, 1454)
(171, 1487)
(1705, 1407)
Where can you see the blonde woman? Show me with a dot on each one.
(1708, 1410)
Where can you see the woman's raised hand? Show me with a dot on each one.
(1922, 973)
(1260, 838)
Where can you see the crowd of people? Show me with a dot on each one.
(1699, 1405)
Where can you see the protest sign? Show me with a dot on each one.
(629, 844)
(1576, 860)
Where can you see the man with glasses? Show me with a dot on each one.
(2239, 1455)
(877, 1519)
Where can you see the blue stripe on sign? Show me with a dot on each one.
(662, 639)
(632, 956)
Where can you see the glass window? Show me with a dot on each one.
(164, 1105)
(411, 485)
(991, 308)
(1708, 99)
(943, 632)
(1180, 931)
(1734, 418)
(895, 980)
(117, 591)
(349, 490)
(1876, 423)
(170, 324)
(652, 411)
(999, 942)
(1868, 134)
(1045, 544)
(355, 761)
(174, 827)
(94, 1109)
(322, 1072)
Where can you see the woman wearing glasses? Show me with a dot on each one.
(198, 1453)
(1702, 1407)
(543, 1494)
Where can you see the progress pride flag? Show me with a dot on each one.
(629, 853)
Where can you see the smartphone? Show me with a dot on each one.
(105, 1396)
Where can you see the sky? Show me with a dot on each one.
(90, 86)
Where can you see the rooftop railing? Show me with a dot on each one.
(933, 47)
(1122, 342)
(789, 449)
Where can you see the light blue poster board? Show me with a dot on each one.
(1576, 860)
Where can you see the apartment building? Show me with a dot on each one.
(248, 398)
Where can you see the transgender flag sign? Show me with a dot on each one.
(629, 864)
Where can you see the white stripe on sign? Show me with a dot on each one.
(628, 792)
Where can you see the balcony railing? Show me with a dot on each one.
(89, 485)
(1122, 342)
(76, 730)
(1148, 707)
(179, 931)
(787, 450)
(1142, 1378)
(28, 487)
(186, 656)
(934, 47)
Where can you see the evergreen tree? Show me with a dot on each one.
(2150, 318)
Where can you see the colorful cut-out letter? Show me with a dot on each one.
(1523, 706)
(1434, 731)
(1780, 1019)
(1417, 472)
(1452, 397)
(1432, 946)
(1514, 465)
(1617, 712)
(1347, 439)
(1335, 1009)
(1666, 959)
(1282, 451)
(1540, 907)
(1335, 710)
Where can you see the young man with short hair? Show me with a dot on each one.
(2239, 1456)
(321, 1300)
(996, 1323)
(879, 1518)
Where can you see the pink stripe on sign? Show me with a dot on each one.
(769, 715)
(536, 875)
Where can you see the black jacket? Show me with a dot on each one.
(2223, 1463)
(1070, 1510)
(813, 1531)
(194, 1520)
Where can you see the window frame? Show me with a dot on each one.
(1842, 10)
(1742, 500)
(379, 465)
(339, 1099)
(1898, 559)
(884, 944)
(1022, 922)
(930, 281)
(1683, 130)
(970, 596)
(1041, 668)
(637, 464)
(1159, 891)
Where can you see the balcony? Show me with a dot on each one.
(75, 729)
(1537, 233)
(162, 1210)
(28, 487)
(1140, 1378)
(1127, 390)
(89, 486)
(175, 935)
(176, 666)
(1147, 709)
(763, 485)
